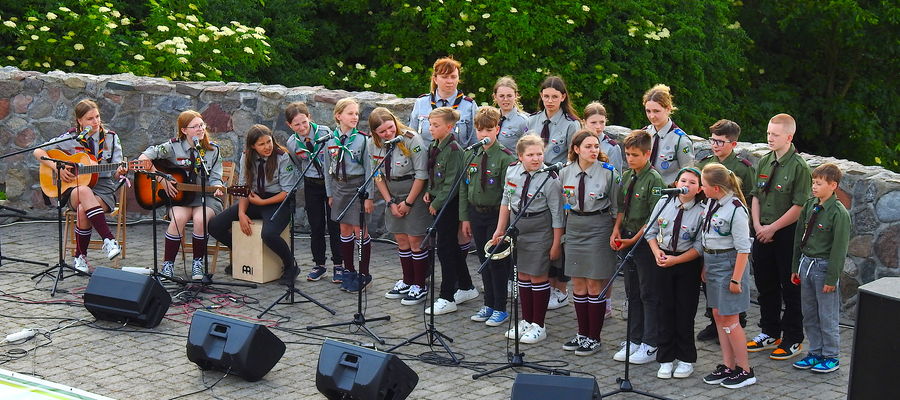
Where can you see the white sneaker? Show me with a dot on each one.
(620, 355)
(665, 370)
(462, 296)
(441, 307)
(168, 269)
(644, 355)
(524, 326)
(197, 269)
(683, 370)
(558, 299)
(111, 247)
(536, 334)
(81, 264)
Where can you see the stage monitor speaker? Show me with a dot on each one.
(116, 295)
(875, 344)
(351, 372)
(536, 386)
(230, 345)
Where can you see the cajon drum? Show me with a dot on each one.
(251, 259)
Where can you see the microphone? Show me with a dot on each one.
(677, 190)
(196, 142)
(84, 132)
(551, 167)
(393, 141)
(325, 138)
(478, 144)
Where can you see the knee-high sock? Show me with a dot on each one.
(581, 312)
(82, 240)
(541, 293)
(464, 250)
(419, 267)
(596, 308)
(198, 245)
(366, 255)
(406, 264)
(526, 299)
(173, 243)
(98, 220)
(347, 251)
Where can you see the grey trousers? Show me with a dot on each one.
(821, 311)
(643, 295)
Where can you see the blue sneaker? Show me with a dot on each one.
(317, 272)
(348, 281)
(483, 314)
(827, 365)
(497, 318)
(811, 360)
(338, 274)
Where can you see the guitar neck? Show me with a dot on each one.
(193, 187)
(96, 169)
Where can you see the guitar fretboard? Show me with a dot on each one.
(96, 169)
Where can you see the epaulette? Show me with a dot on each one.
(745, 161)
(363, 133)
(423, 95)
(278, 151)
(512, 164)
(707, 157)
(469, 99)
(72, 130)
(611, 141)
(737, 203)
(536, 113)
(553, 174)
(608, 166)
(569, 117)
(507, 151)
(409, 134)
(174, 140)
(454, 146)
(110, 132)
(679, 132)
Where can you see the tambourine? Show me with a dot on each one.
(502, 252)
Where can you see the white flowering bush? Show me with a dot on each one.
(171, 41)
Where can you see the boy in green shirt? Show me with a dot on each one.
(820, 248)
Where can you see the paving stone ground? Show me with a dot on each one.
(137, 363)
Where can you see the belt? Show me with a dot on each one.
(589, 213)
(717, 251)
(318, 181)
(402, 178)
(347, 179)
(486, 209)
(528, 215)
(673, 253)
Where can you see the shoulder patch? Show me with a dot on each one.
(173, 140)
(278, 150)
(535, 113)
(737, 203)
(610, 140)
(409, 134)
(469, 99)
(745, 161)
(454, 146)
(707, 157)
(513, 164)
(553, 174)
(424, 94)
(363, 133)
(71, 130)
(569, 117)
(507, 151)
(679, 132)
(608, 166)
(109, 132)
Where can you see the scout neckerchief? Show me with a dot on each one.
(344, 148)
(88, 144)
(308, 147)
(459, 99)
(810, 223)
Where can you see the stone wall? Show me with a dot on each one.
(35, 107)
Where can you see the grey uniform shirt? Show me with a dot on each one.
(284, 178)
(415, 164)
(179, 154)
(562, 128)
(465, 128)
(302, 156)
(353, 148)
(112, 147)
(512, 128)
(675, 150)
(612, 150)
(728, 227)
(550, 196)
(664, 227)
(601, 186)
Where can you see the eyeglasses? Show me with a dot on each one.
(717, 142)
(198, 126)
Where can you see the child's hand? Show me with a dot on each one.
(765, 234)
(395, 211)
(734, 288)
(330, 201)
(827, 289)
(497, 235)
(427, 198)
(369, 206)
(703, 274)
(254, 199)
(795, 279)
(615, 241)
(555, 251)
(466, 228)
(665, 261)
(431, 209)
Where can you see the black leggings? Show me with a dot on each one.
(220, 228)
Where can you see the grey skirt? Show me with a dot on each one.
(343, 193)
(719, 269)
(587, 253)
(212, 202)
(533, 246)
(105, 190)
(418, 219)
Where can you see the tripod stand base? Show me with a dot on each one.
(59, 274)
(5, 258)
(625, 387)
(290, 292)
(433, 335)
(358, 320)
(517, 360)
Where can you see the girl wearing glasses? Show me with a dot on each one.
(512, 119)
(183, 154)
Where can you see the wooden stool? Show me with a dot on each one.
(251, 259)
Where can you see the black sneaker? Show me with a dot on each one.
(720, 374)
(739, 379)
(573, 344)
(588, 347)
(709, 333)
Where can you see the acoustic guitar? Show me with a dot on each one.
(143, 188)
(87, 172)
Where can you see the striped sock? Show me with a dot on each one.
(198, 245)
(82, 240)
(98, 220)
(541, 294)
(581, 313)
(173, 243)
(419, 267)
(597, 312)
(347, 252)
(526, 299)
(406, 264)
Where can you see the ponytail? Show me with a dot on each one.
(717, 175)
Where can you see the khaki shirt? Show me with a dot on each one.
(791, 185)
(302, 156)
(664, 227)
(550, 196)
(728, 227)
(829, 238)
(112, 147)
(352, 147)
(465, 127)
(284, 178)
(601, 185)
(492, 174)
(512, 128)
(740, 166)
(675, 150)
(178, 152)
(646, 194)
(447, 165)
(562, 128)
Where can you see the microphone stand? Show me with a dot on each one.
(359, 318)
(204, 175)
(516, 359)
(625, 385)
(432, 334)
(61, 264)
(291, 288)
